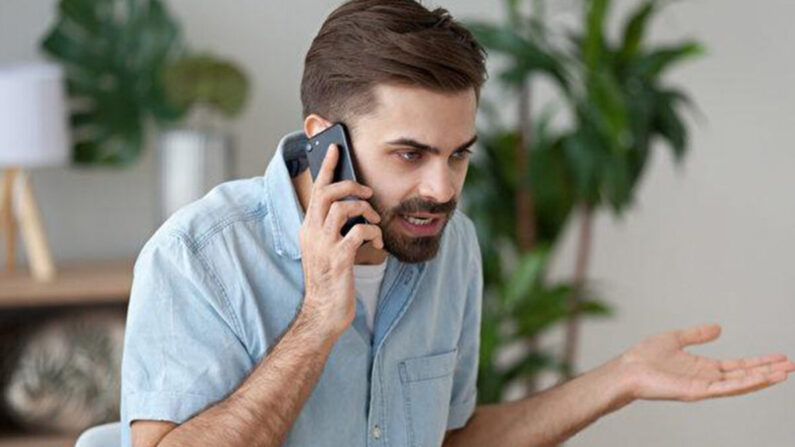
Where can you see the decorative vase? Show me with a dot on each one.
(192, 161)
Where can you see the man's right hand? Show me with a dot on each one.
(327, 257)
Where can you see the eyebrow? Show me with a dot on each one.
(427, 148)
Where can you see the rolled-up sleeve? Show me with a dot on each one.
(182, 344)
(464, 396)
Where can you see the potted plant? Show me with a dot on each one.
(198, 154)
(128, 69)
(620, 105)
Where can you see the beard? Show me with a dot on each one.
(407, 248)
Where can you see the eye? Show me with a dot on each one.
(409, 156)
(463, 154)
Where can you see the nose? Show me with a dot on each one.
(438, 184)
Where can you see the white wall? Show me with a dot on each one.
(711, 241)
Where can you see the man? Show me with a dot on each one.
(253, 322)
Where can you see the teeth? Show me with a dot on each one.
(417, 221)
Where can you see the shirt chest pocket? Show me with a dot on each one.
(427, 384)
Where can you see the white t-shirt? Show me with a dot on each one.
(368, 283)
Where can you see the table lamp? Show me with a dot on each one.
(33, 133)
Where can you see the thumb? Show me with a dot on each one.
(699, 334)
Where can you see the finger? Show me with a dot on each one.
(733, 387)
(315, 212)
(326, 174)
(358, 235)
(321, 199)
(698, 335)
(346, 188)
(341, 211)
(767, 369)
(749, 362)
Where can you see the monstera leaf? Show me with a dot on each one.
(113, 53)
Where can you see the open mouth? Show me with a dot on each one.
(422, 224)
(418, 221)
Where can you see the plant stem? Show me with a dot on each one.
(580, 273)
(525, 216)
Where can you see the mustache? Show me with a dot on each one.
(418, 205)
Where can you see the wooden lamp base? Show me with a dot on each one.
(18, 208)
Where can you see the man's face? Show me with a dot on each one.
(413, 152)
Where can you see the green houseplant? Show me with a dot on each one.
(620, 106)
(198, 154)
(206, 83)
(126, 65)
(127, 68)
(113, 53)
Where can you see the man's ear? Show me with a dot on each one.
(314, 124)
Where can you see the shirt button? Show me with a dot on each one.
(377, 432)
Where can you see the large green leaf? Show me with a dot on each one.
(635, 29)
(657, 61)
(606, 110)
(595, 50)
(669, 124)
(526, 276)
(546, 306)
(64, 43)
(113, 64)
(581, 149)
(549, 179)
(618, 187)
(491, 180)
(89, 14)
(526, 56)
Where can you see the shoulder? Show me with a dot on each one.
(175, 263)
(226, 205)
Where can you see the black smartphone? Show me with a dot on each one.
(316, 150)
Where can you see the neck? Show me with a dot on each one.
(367, 254)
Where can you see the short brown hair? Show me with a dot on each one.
(367, 42)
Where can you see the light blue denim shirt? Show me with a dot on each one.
(221, 280)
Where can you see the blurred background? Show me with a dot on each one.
(653, 189)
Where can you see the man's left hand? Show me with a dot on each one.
(659, 368)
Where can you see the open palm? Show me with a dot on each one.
(661, 369)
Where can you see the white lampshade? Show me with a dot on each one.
(33, 116)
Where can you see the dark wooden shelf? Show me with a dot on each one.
(76, 283)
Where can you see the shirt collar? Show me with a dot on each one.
(285, 212)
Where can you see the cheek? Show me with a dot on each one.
(462, 176)
(386, 198)
(367, 172)
(390, 187)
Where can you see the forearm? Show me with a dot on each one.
(264, 407)
(550, 417)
